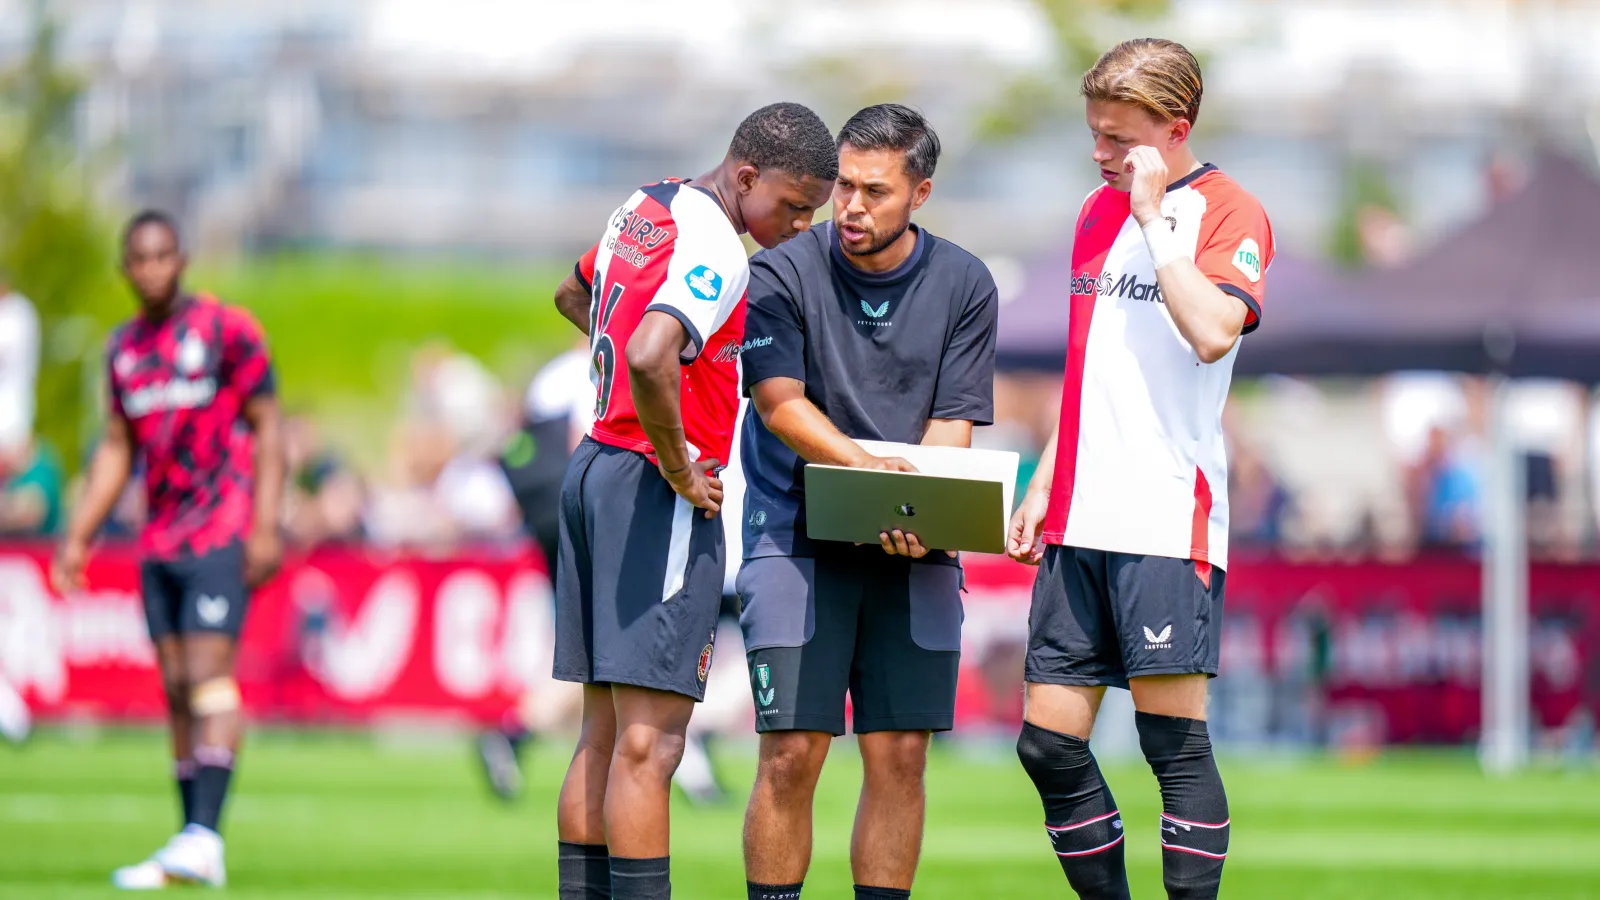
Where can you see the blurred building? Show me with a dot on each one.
(513, 127)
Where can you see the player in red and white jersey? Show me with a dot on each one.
(1128, 511)
(638, 573)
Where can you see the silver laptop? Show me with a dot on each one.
(844, 504)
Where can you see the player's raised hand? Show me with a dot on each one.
(263, 553)
(696, 484)
(1149, 182)
(66, 570)
(1022, 538)
(887, 464)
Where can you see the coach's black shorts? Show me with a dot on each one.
(638, 577)
(884, 628)
(190, 594)
(1100, 618)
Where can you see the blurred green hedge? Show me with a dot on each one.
(342, 328)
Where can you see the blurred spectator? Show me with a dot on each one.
(31, 484)
(557, 412)
(437, 498)
(1446, 490)
(324, 495)
(1546, 423)
(455, 391)
(1385, 240)
(1258, 503)
(19, 366)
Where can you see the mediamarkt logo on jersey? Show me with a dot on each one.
(1127, 286)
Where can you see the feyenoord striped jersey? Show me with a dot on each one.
(1140, 463)
(669, 248)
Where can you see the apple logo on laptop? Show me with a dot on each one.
(906, 509)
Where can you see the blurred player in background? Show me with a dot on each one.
(192, 397)
(640, 569)
(19, 374)
(869, 327)
(557, 413)
(1128, 511)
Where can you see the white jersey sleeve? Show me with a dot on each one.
(708, 272)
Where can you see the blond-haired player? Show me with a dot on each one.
(1127, 516)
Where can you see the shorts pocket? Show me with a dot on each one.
(936, 613)
(777, 601)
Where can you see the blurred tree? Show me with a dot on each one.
(55, 247)
(1077, 29)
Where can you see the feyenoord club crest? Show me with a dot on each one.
(705, 658)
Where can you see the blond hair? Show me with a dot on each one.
(1158, 76)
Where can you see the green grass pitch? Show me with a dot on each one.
(320, 815)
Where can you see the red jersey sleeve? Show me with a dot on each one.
(245, 364)
(1235, 248)
(584, 270)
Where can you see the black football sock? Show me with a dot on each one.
(1194, 818)
(641, 879)
(584, 871)
(755, 891)
(183, 772)
(214, 769)
(1079, 812)
(880, 893)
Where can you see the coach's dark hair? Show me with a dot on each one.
(788, 137)
(891, 126)
(151, 217)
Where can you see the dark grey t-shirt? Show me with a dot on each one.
(880, 355)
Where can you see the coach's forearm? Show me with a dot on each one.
(573, 302)
(1210, 320)
(795, 420)
(947, 433)
(655, 377)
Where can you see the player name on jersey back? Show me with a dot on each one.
(669, 249)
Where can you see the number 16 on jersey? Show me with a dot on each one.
(603, 348)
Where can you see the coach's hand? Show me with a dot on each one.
(66, 570)
(900, 543)
(1022, 538)
(696, 484)
(1149, 182)
(886, 464)
(263, 553)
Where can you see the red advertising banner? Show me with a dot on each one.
(355, 636)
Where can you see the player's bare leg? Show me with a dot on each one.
(889, 818)
(583, 861)
(1065, 708)
(580, 811)
(214, 707)
(149, 874)
(650, 737)
(175, 686)
(777, 824)
(1171, 717)
(1080, 814)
